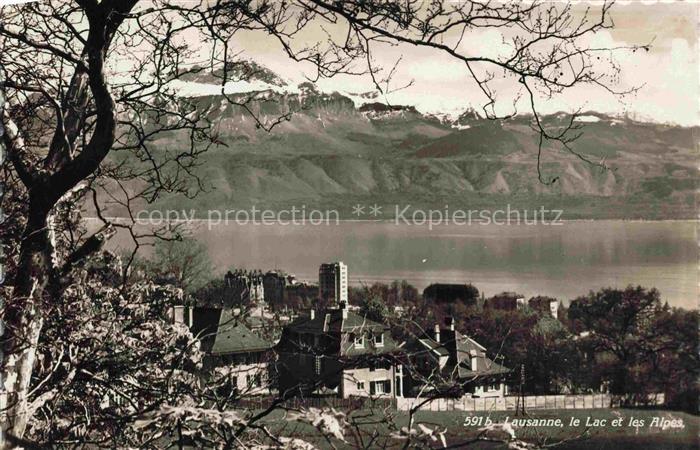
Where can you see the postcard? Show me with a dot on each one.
(314, 224)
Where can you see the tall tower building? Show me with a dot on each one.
(333, 282)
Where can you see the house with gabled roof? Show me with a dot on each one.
(338, 351)
(233, 350)
(451, 363)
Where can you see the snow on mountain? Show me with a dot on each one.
(195, 89)
(588, 119)
(250, 77)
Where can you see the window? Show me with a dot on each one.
(234, 383)
(379, 340)
(492, 387)
(318, 365)
(253, 380)
(359, 341)
(380, 387)
(360, 385)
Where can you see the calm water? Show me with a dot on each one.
(561, 261)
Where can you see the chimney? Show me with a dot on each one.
(437, 333)
(178, 314)
(472, 355)
(344, 311)
(312, 314)
(450, 322)
(554, 308)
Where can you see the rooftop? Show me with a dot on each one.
(338, 321)
(332, 320)
(234, 337)
(222, 332)
(461, 349)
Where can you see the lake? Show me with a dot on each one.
(563, 261)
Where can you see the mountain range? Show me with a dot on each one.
(340, 149)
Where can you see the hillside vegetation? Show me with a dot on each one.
(332, 154)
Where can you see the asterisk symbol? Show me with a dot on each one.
(375, 210)
(358, 210)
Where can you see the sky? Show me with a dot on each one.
(667, 75)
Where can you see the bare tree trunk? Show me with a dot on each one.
(35, 283)
(22, 318)
(17, 373)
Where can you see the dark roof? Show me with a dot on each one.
(434, 346)
(444, 292)
(331, 320)
(484, 366)
(222, 333)
(234, 337)
(465, 345)
(460, 349)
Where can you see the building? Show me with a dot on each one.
(231, 349)
(545, 306)
(446, 361)
(251, 289)
(300, 293)
(274, 288)
(508, 301)
(333, 282)
(246, 287)
(451, 293)
(340, 352)
(511, 301)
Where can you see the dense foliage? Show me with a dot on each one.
(621, 341)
